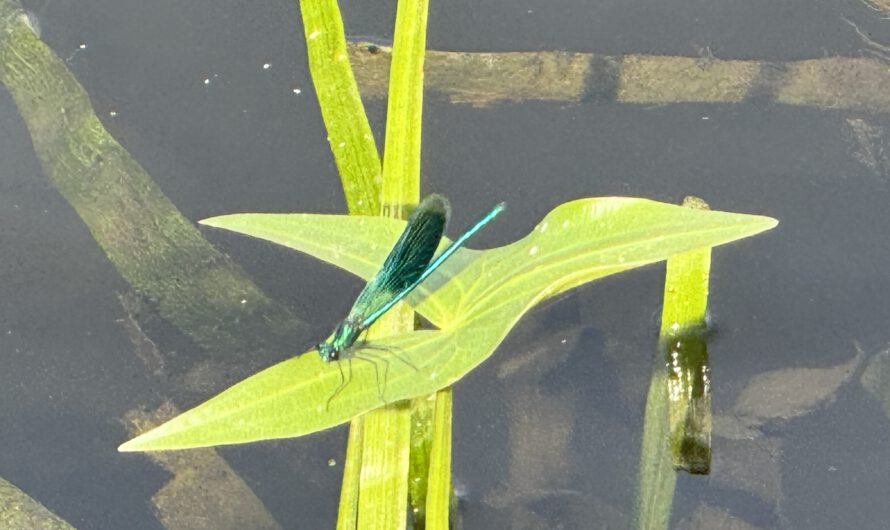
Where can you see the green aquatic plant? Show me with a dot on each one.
(677, 423)
(473, 299)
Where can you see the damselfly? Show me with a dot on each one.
(409, 263)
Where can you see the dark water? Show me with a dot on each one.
(555, 443)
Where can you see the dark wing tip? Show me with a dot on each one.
(435, 202)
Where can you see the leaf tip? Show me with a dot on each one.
(770, 222)
(211, 221)
(146, 441)
(130, 446)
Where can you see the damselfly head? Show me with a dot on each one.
(327, 351)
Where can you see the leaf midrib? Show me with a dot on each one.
(556, 261)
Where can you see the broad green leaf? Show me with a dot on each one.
(358, 244)
(612, 234)
(577, 242)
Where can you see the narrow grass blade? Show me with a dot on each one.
(384, 486)
(401, 155)
(385, 446)
(349, 132)
(682, 344)
(439, 491)
(423, 413)
(677, 421)
(657, 478)
(347, 512)
(387, 440)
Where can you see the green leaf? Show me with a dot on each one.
(474, 301)
(384, 487)
(656, 479)
(349, 133)
(423, 412)
(358, 244)
(684, 348)
(438, 495)
(381, 503)
(676, 408)
(382, 499)
(401, 153)
(347, 511)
